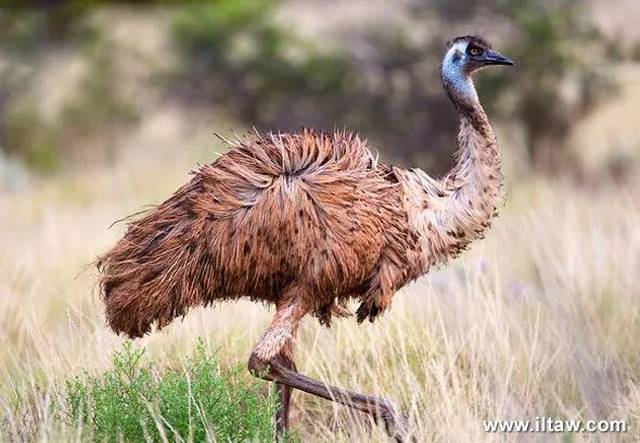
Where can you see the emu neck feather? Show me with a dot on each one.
(451, 212)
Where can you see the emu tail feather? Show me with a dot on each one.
(158, 270)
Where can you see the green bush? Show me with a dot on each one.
(23, 133)
(131, 402)
(98, 106)
(92, 114)
(234, 53)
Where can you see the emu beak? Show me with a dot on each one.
(492, 57)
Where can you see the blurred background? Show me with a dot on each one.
(85, 83)
(106, 106)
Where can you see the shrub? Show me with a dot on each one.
(234, 53)
(130, 402)
(92, 114)
(24, 134)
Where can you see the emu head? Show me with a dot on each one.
(464, 56)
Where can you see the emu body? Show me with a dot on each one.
(309, 209)
(307, 222)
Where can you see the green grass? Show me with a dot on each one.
(130, 402)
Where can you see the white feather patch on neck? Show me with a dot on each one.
(453, 73)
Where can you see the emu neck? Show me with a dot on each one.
(472, 188)
(449, 213)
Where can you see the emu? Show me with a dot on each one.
(307, 222)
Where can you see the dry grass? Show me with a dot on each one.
(539, 319)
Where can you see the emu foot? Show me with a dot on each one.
(396, 423)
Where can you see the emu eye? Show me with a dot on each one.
(474, 50)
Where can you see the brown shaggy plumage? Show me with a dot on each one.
(312, 208)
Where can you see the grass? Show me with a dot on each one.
(539, 319)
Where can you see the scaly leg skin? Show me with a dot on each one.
(282, 416)
(266, 362)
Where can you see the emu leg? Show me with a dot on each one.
(282, 416)
(265, 362)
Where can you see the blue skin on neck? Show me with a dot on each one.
(457, 83)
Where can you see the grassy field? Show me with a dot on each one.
(539, 319)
